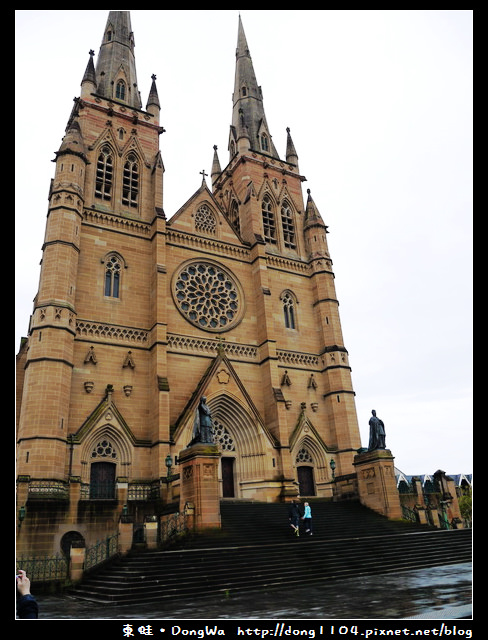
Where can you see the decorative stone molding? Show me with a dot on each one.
(129, 361)
(208, 346)
(96, 330)
(286, 379)
(117, 222)
(223, 376)
(90, 356)
(312, 383)
(298, 359)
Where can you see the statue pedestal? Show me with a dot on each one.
(200, 485)
(376, 482)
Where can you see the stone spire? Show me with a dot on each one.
(249, 129)
(115, 72)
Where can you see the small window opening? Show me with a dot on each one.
(269, 225)
(104, 175)
(289, 311)
(130, 186)
(120, 90)
(112, 277)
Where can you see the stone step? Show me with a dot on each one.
(258, 562)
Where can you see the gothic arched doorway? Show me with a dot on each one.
(244, 447)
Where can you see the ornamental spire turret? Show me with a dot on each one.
(216, 170)
(89, 82)
(291, 154)
(153, 105)
(314, 230)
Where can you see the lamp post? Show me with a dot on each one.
(21, 515)
(169, 463)
(332, 468)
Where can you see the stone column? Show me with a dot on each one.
(77, 563)
(151, 532)
(200, 484)
(126, 532)
(376, 482)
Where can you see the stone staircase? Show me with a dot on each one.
(257, 551)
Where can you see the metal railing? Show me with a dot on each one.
(172, 526)
(409, 514)
(48, 490)
(56, 568)
(44, 568)
(101, 551)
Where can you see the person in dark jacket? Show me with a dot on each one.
(294, 517)
(27, 606)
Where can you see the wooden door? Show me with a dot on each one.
(227, 477)
(102, 481)
(305, 481)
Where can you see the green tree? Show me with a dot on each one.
(465, 505)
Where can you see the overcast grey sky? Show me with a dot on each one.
(379, 103)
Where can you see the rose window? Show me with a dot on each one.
(208, 296)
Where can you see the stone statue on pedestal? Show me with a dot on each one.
(376, 433)
(202, 424)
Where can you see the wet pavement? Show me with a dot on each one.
(434, 593)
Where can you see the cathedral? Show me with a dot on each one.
(140, 313)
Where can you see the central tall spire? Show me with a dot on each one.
(116, 76)
(249, 129)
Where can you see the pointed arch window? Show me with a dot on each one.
(205, 220)
(120, 90)
(105, 173)
(130, 181)
(264, 142)
(289, 309)
(222, 437)
(113, 268)
(234, 215)
(269, 223)
(303, 456)
(288, 226)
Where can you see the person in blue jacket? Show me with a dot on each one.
(27, 606)
(307, 518)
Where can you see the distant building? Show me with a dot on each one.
(434, 498)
